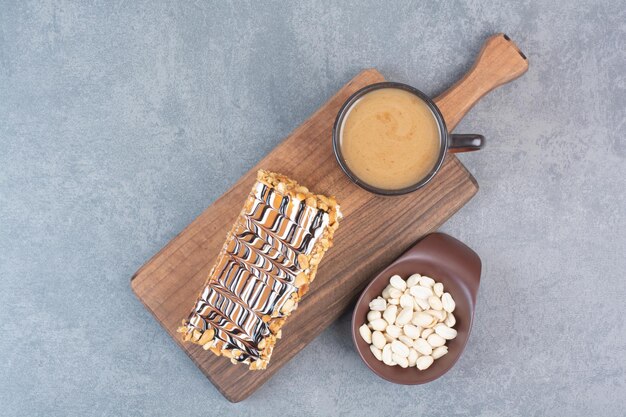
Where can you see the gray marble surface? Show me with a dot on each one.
(120, 121)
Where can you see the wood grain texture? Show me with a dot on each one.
(499, 61)
(374, 232)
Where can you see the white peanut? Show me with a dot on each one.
(378, 304)
(373, 315)
(427, 281)
(405, 339)
(411, 330)
(445, 332)
(390, 313)
(413, 280)
(378, 324)
(400, 348)
(421, 292)
(396, 281)
(450, 321)
(427, 332)
(404, 317)
(435, 340)
(385, 293)
(378, 339)
(424, 362)
(394, 293)
(394, 331)
(366, 334)
(435, 302)
(387, 355)
(422, 303)
(400, 360)
(439, 352)
(422, 319)
(448, 302)
(422, 346)
(438, 289)
(378, 354)
(406, 301)
(440, 315)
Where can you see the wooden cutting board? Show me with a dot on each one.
(374, 232)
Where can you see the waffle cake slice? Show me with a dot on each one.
(269, 259)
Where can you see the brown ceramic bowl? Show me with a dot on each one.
(446, 260)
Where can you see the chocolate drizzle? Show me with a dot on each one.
(256, 271)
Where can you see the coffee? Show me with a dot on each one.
(390, 139)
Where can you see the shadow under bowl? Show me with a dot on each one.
(446, 260)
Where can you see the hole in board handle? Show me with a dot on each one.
(520, 52)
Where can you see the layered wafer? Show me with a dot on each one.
(270, 257)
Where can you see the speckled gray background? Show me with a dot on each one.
(120, 121)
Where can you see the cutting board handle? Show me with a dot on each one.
(499, 62)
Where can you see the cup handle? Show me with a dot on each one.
(465, 143)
